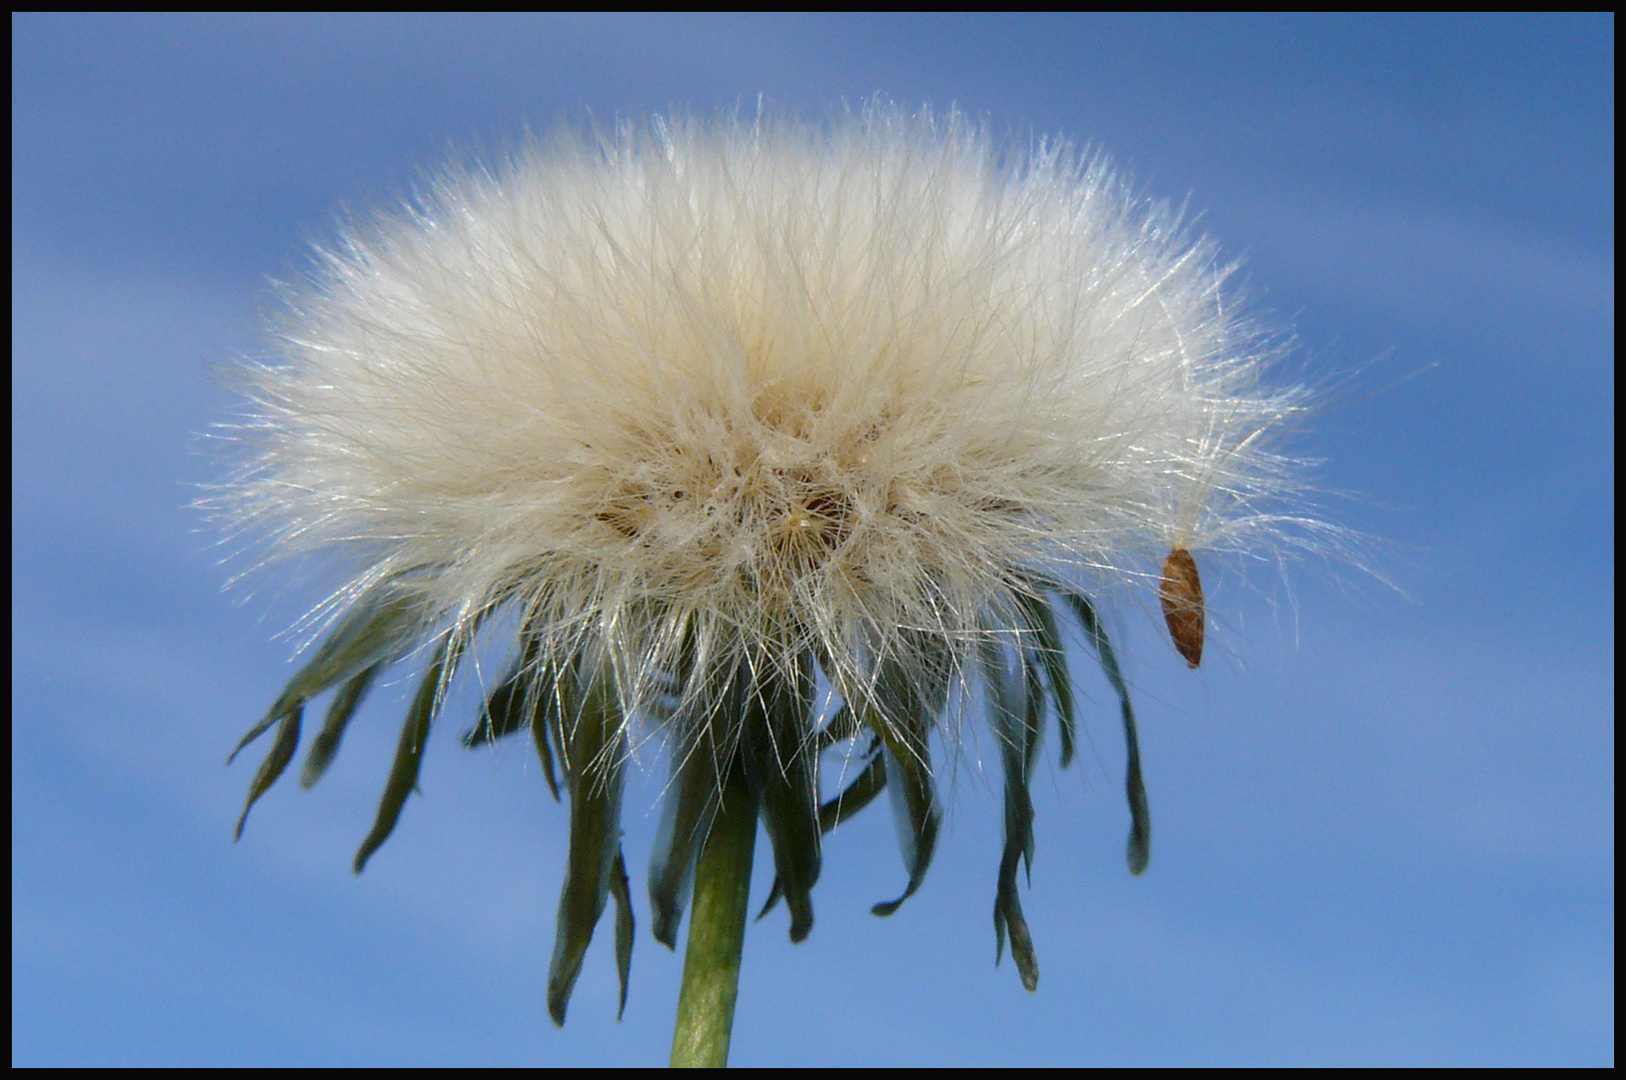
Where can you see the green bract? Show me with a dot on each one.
(766, 726)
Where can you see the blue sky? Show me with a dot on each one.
(1384, 818)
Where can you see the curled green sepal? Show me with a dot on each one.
(686, 815)
(1008, 915)
(689, 807)
(339, 713)
(902, 716)
(1016, 723)
(1017, 718)
(1048, 648)
(374, 629)
(1140, 814)
(282, 752)
(593, 759)
(783, 765)
(625, 927)
(870, 782)
(526, 690)
(403, 777)
(525, 698)
(860, 793)
(504, 712)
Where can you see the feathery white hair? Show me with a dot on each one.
(777, 387)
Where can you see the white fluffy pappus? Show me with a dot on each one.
(723, 403)
(795, 387)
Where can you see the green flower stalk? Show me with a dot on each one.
(772, 441)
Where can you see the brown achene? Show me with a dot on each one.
(1182, 594)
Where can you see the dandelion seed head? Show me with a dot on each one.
(757, 388)
(709, 408)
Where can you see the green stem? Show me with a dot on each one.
(711, 964)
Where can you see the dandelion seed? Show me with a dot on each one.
(1181, 592)
(722, 415)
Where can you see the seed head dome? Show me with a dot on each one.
(792, 388)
